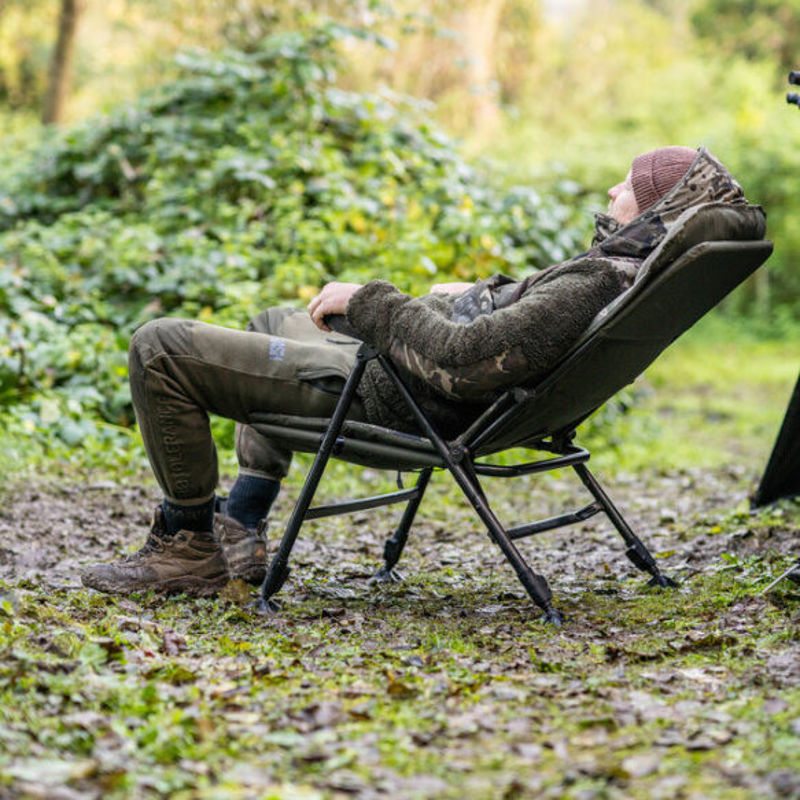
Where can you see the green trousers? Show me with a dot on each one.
(181, 371)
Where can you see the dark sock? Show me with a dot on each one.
(188, 518)
(250, 499)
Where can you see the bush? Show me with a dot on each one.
(250, 181)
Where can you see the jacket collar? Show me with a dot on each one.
(706, 181)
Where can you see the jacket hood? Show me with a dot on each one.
(706, 181)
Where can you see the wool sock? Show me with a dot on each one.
(188, 518)
(250, 499)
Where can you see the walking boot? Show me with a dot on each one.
(245, 550)
(188, 561)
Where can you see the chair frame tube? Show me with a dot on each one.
(459, 460)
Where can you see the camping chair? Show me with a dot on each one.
(677, 285)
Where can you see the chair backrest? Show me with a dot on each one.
(619, 346)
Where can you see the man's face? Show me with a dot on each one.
(623, 207)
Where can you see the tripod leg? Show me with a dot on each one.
(637, 553)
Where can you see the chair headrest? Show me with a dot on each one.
(710, 222)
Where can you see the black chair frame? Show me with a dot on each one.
(616, 348)
(456, 456)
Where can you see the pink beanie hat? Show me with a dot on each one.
(653, 174)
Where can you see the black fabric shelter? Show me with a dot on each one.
(781, 478)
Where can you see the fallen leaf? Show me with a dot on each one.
(173, 643)
(51, 771)
(641, 764)
(399, 690)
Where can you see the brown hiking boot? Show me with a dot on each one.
(245, 550)
(189, 561)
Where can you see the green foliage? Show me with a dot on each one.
(654, 84)
(250, 181)
(754, 29)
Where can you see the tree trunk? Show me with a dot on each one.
(480, 24)
(61, 62)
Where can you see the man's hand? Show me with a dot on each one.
(333, 299)
(450, 288)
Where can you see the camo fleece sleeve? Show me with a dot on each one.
(515, 345)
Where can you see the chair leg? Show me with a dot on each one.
(637, 553)
(393, 547)
(278, 569)
(467, 480)
(535, 584)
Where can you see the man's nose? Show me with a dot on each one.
(614, 191)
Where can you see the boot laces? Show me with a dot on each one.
(156, 543)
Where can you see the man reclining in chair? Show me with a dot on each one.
(458, 347)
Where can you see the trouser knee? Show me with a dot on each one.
(166, 336)
(273, 320)
(159, 337)
(260, 323)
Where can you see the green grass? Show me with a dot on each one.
(142, 697)
(715, 397)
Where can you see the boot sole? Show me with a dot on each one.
(193, 585)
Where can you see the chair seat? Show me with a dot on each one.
(359, 442)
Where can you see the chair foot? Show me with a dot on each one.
(274, 579)
(641, 558)
(662, 581)
(386, 575)
(552, 617)
(266, 607)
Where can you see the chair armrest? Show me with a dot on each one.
(339, 324)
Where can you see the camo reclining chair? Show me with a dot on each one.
(684, 277)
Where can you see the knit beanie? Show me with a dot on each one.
(653, 174)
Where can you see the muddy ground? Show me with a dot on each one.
(690, 518)
(444, 685)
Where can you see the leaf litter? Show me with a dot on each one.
(444, 685)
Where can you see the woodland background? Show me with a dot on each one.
(207, 158)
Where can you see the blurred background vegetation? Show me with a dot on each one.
(210, 157)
